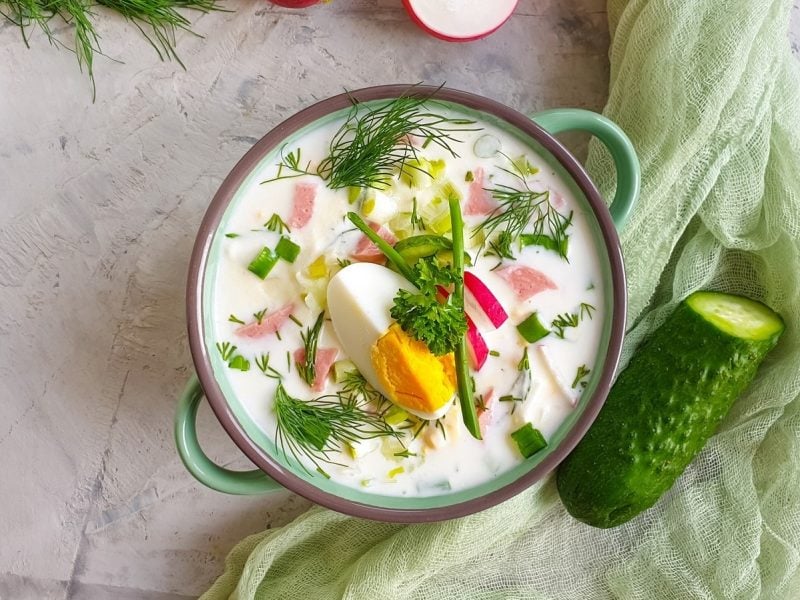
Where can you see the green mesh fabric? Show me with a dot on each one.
(710, 96)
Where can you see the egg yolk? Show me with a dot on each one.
(413, 377)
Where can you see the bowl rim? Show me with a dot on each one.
(199, 261)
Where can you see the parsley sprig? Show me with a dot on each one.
(440, 325)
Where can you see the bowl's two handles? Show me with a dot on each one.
(198, 464)
(627, 164)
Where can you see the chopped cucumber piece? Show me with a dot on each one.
(395, 415)
(486, 146)
(419, 246)
(529, 440)
(524, 166)
(287, 249)
(441, 224)
(262, 264)
(532, 329)
(341, 368)
(240, 363)
(416, 173)
(319, 268)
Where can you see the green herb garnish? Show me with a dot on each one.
(231, 235)
(494, 353)
(277, 224)
(580, 374)
(226, 350)
(157, 20)
(563, 322)
(259, 316)
(262, 362)
(519, 208)
(239, 362)
(524, 363)
(440, 325)
(310, 338)
(416, 221)
(405, 454)
(235, 319)
(373, 141)
(314, 428)
(586, 310)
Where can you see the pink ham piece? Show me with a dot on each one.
(325, 359)
(480, 202)
(303, 205)
(485, 413)
(269, 324)
(525, 281)
(366, 251)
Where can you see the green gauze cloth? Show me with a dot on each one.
(710, 95)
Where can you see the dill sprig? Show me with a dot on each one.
(275, 223)
(373, 141)
(307, 369)
(357, 390)
(262, 362)
(157, 20)
(580, 374)
(563, 322)
(314, 428)
(520, 208)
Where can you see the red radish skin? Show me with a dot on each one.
(439, 30)
(477, 349)
(302, 205)
(325, 359)
(488, 302)
(269, 324)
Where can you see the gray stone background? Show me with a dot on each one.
(99, 204)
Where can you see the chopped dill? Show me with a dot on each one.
(277, 224)
(405, 453)
(259, 316)
(231, 235)
(580, 374)
(343, 262)
(314, 428)
(234, 319)
(563, 322)
(416, 221)
(262, 362)
(296, 321)
(586, 310)
(226, 350)
(310, 338)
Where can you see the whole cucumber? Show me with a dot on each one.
(665, 405)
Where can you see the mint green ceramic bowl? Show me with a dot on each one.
(276, 471)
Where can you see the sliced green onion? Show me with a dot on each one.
(532, 329)
(240, 363)
(262, 264)
(494, 353)
(529, 440)
(465, 391)
(341, 368)
(545, 241)
(231, 235)
(287, 249)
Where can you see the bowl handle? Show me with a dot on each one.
(198, 464)
(619, 145)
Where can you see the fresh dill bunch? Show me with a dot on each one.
(518, 209)
(156, 20)
(374, 141)
(314, 428)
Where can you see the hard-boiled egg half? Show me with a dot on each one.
(401, 368)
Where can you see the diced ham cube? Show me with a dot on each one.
(367, 251)
(325, 359)
(480, 202)
(525, 281)
(303, 205)
(269, 323)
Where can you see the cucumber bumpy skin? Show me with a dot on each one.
(665, 405)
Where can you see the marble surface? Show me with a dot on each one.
(99, 204)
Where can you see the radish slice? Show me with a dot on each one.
(476, 345)
(486, 299)
(460, 20)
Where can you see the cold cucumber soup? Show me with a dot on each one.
(407, 300)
